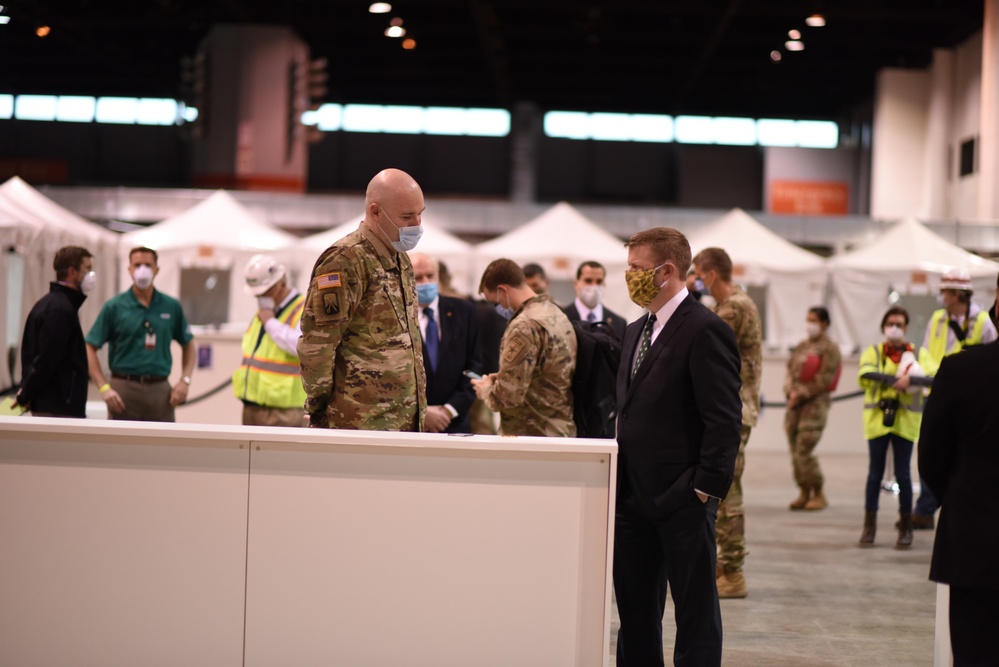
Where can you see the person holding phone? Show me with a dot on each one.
(269, 381)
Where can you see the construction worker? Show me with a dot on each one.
(269, 381)
(960, 324)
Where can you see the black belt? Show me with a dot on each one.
(144, 379)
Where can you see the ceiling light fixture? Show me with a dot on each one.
(380, 8)
(395, 31)
(4, 20)
(815, 21)
(775, 56)
(396, 21)
(794, 45)
(794, 34)
(43, 31)
(409, 43)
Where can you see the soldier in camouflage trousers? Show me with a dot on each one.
(533, 389)
(360, 351)
(713, 268)
(812, 374)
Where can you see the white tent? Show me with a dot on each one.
(908, 259)
(560, 239)
(436, 242)
(35, 227)
(794, 279)
(218, 233)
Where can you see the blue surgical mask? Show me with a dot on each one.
(506, 312)
(426, 293)
(408, 236)
(699, 286)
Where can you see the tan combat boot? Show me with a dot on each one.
(731, 585)
(818, 500)
(801, 501)
(870, 527)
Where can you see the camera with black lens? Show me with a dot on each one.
(889, 408)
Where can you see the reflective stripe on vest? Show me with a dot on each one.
(268, 375)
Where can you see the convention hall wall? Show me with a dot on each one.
(579, 171)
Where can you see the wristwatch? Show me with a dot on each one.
(186, 379)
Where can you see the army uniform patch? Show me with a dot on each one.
(515, 350)
(331, 303)
(328, 281)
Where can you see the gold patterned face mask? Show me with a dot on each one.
(642, 284)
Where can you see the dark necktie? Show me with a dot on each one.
(643, 345)
(433, 340)
(591, 317)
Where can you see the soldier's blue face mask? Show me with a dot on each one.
(408, 236)
(505, 312)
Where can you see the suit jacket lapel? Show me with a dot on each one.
(672, 326)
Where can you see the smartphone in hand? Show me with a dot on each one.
(473, 375)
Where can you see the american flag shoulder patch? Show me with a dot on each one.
(328, 280)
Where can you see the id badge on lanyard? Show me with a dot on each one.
(150, 337)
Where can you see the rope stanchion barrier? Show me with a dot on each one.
(208, 394)
(841, 397)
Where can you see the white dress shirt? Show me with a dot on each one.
(584, 311)
(285, 336)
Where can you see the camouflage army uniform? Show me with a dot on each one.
(804, 423)
(360, 366)
(533, 390)
(739, 311)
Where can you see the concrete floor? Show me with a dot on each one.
(815, 598)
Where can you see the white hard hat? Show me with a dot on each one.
(262, 273)
(957, 279)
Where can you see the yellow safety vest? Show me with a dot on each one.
(940, 326)
(269, 376)
(910, 411)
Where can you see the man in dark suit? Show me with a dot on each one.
(678, 436)
(450, 331)
(959, 460)
(589, 303)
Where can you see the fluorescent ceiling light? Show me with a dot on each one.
(487, 122)
(444, 120)
(817, 133)
(380, 8)
(156, 111)
(651, 127)
(362, 118)
(776, 132)
(395, 31)
(4, 20)
(329, 117)
(35, 107)
(402, 120)
(610, 126)
(75, 109)
(815, 21)
(735, 131)
(695, 129)
(567, 124)
(187, 114)
(794, 34)
(121, 110)
(6, 106)
(794, 45)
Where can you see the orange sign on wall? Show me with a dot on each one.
(810, 197)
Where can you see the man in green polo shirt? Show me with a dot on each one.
(139, 324)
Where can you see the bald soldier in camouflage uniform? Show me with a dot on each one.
(360, 351)
(812, 372)
(714, 269)
(533, 389)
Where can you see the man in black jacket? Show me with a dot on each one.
(53, 355)
(679, 417)
(959, 460)
(589, 304)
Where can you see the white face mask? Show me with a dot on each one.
(265, 303)
(142, 276)
(592, 295)
(88, 283)
(813, 329)
(894, 333)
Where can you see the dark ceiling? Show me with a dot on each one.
(708, 57)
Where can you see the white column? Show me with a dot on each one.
(936, 203)
(525, 135)
(988, 161)
(257, 89)
(898, 149)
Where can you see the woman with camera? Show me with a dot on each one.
(893, 375)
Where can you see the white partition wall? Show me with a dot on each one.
(167, 544)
